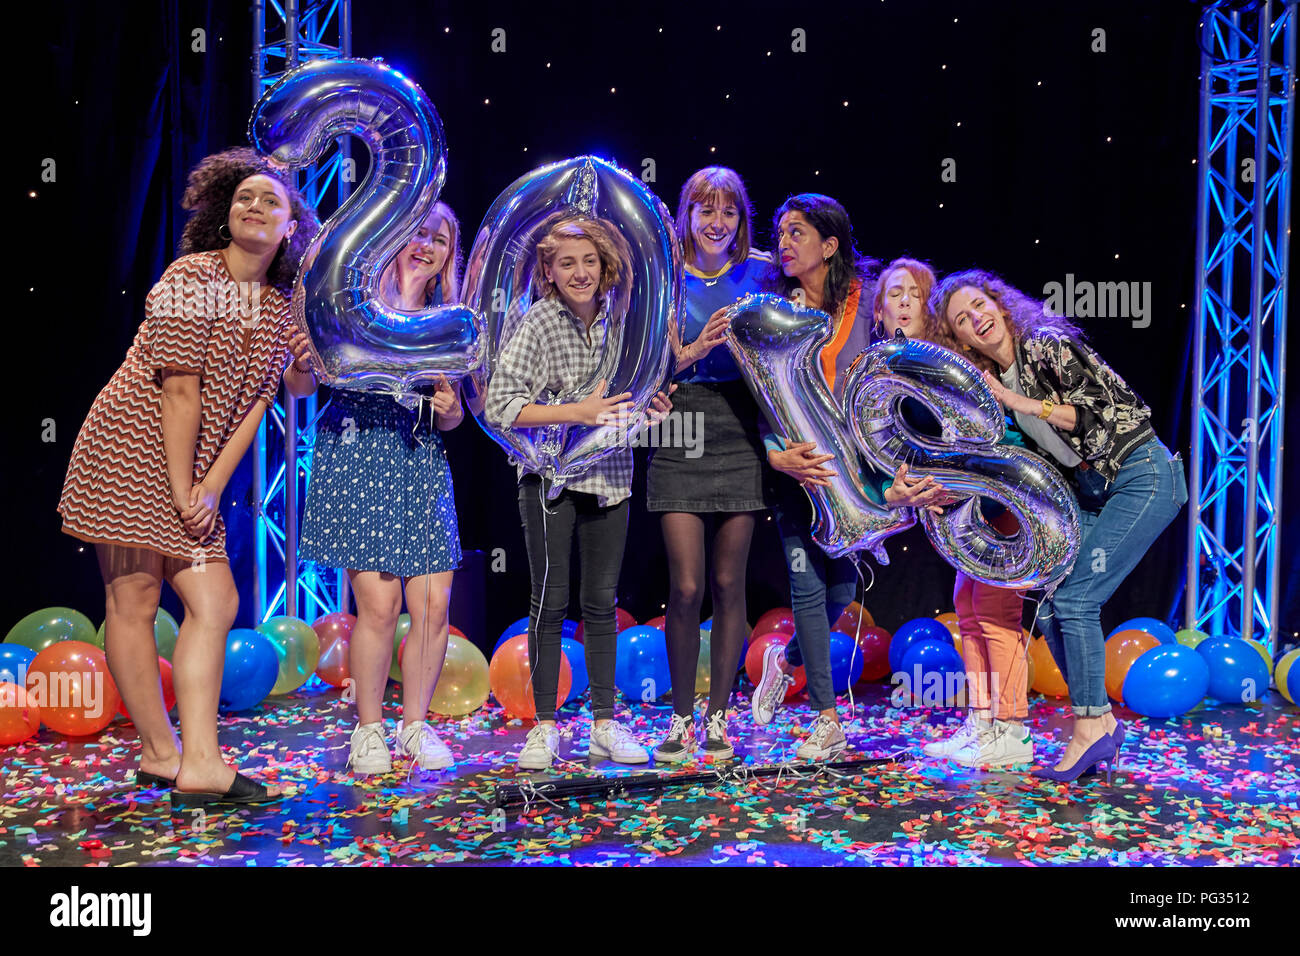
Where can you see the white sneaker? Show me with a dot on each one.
(541, 747)
(826, 740)
(612, 741)
(970, 729)
(1001, 745)
(716, 744)
(680, 742)
(772, 686)
(369, 751)
(419, 742)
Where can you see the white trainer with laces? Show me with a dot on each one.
(419, 742)
(772, 686)
(680, 742)
(717, 745)
(610, 740)
(826, 740)
(966, 733)
(369, 750)
(1001, 745)
(541, 748)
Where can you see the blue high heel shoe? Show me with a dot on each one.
(1117, 735)
(1101, 751)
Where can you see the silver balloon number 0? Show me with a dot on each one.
(968, 459)
(358, 340)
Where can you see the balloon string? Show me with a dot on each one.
(857, 630)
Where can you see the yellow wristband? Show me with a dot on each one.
(1046, 413)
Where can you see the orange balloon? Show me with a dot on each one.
(754, 662)
(1122, 649)
(335, 633)
(779, 619)
(168, 691)
(510, 678)
(20, 719)
(70, 683)
(1047, 676)
(855, 618)
(949, 621)
(874, 642)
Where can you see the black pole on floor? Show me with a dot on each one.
(527, 791)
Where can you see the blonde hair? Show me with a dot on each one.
(705, 185)
(449, 274)
(615, 254)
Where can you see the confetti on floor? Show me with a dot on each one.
(1217, 786)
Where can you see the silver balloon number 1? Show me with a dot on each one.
(358, 340)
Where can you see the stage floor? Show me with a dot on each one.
(1215, 787)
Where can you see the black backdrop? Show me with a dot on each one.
(1068, 160)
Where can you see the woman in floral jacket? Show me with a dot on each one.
(1078, 411)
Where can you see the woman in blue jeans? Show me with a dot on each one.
(1077, 410)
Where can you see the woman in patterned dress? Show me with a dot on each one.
(380, 504)
(163, 438)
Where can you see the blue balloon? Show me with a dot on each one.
(921, 629)
(1157, 629)
(642, 672)
(1166, 681)
(514, 630)
(1238, 675)
(569, 630)
(932, 672)
(846, 661)
(14, 661)
(250, 671)
(578, 664)
(708, 625)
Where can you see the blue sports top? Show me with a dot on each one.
(705, 294)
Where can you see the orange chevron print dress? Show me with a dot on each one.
(198, 320)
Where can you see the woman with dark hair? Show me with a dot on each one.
(381, 505)
(819, 267)
(556, 347)
(717, 484)
(161, 441)
(1078, 410)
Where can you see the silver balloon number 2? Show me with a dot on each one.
(967, 458)
(358, 340)
(775, 343)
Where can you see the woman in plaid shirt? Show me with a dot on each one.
(554, 351)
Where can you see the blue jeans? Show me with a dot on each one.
(820, 589)
(1118, 523)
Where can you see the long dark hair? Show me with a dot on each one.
(847, 264)
(209, 193)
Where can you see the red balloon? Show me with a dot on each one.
(70, 683)
(779, 619)
(168, 691)
(656, 622)
(874, 643)
(20, 719)
(622, 621)
(510, 678)
(334, 631)
(754, 662)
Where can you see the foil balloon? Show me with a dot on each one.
(967, 459)
(775, 342)
(357, 340)
(643, 309)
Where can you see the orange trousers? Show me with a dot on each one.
(993, 647)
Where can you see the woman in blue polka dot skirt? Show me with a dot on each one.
(380, 504)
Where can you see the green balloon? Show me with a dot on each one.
(165, 633)
(1190, 637)
(50, 625)
(704, 664)
(403, 628)
(298, 648)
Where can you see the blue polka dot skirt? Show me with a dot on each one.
(380, 495)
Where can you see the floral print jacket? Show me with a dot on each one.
(1111, 419)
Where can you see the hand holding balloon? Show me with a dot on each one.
(596, 410)
(300, 347)
(714, 334)
(913, 491)
(446, 403)
(802, 463)
(660, 406)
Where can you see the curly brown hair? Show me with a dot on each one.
(208, 195)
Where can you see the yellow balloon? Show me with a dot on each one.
(949, 620)
(297, 646)
(703, 667)
(1283, 674)
(463, 685)
(1263, 652)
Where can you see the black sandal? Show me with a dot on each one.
(243, 790)
(152, 781)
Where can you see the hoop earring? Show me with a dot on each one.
(226, 235)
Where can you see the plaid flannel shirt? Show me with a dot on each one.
(548, 355)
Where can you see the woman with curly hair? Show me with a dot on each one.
(820, 268)
(1076, 409)
(381, 505)
(161, 441)
(583, 269)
